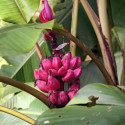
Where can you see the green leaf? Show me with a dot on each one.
(11, 90)
(91, 74)
(35, 109)
(7, 119)
(19, 39)
(107, 95)
(5, 98)
(21, 100)
(118, 10)
(22, 67)
(82, 115)
(119, 63)
(18, 11)
(15, 37)
(120, 35)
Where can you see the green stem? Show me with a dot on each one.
(74, 25)
(88, 51)
(17, 114)
(25, 88)
(123, 70)
(103, 16)
(108, 61)
(39, 51)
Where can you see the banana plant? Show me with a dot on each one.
(62, 62)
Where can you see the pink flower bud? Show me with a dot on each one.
(73, 63)
(62, 71)
(77, 72)
(67, 56)
(53, 97)
(46, 12)
(42, 85)
(56, 63)
(71, 93)
(52, 72)
(53, 83)
(65, 63)
(47, 64)
(69, 76)
(62, 98)
(78, 62)
(75, 85)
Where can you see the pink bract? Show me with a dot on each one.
(46, 12)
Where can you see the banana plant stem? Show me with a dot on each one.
(107, 58)
(74, 25)
(43, 98)
(17, 114)
(104, 22)
(39, 51)
(88, 51)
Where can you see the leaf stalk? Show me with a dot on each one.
(17, 114)
(74, 25)
(43, 98)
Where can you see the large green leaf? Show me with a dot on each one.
(91, 74)
(82, 115)
(106, 95)
(19, 39)
(18, 11)
(118, 10)
(35, 109)
(22, 67)
(7, 119)
(21, 100)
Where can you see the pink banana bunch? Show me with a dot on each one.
(54, 72)
(58, 70)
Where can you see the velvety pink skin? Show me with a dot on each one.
(78, 62)
(42, 86)
(40, 74)
(77, 72)
(53, 97)
(43, 75)
(62, 98)
(36, 73)
(75, 85)
(69, 76)
(52, 72)
(46, 12)
(67, 56)
(65, 63)
(62, 71)
(53, 83)
(71, 94)
(47, 64)
(73, 63)
(56, 63)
